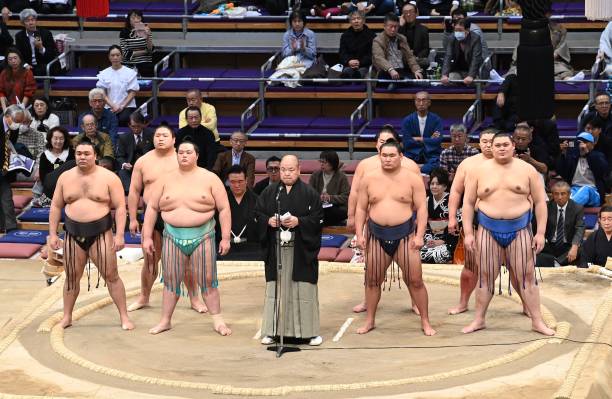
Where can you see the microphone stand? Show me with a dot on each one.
(280, 294)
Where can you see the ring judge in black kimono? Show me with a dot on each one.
(242, 200)
(597, 249)
(301, 217)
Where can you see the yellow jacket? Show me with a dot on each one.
(208, 112)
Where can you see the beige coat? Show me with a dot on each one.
(380, 53)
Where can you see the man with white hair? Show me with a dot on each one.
(458, 151)
(106, 119)
(8, 221)
(36, 44)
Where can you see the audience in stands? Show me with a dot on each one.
(132, 146)
(57, 152)
(561, 52)
(102, 141)
(422, 134)
(602, 110)
(10, 6)
(8, 220)
(43, 119)
(237, 156)
(536, 156)
(106, 120)
(380, 7)
(460, 149)
(299, 41)
(416, 34)
(201, 136)
(33, 140)
(245, 241)
(605, 49)
(17, 84)
(325, 8)
(56, 7)
(209, 113)
(391, 54)
(434, 7)
(36, 44)
(356, 47)
(463, 56)
(136, 42)
(449, 31)
(273, 172)
(333, 186)
(505, 110)
(598, 247)
(585, 169)
(564, 229)
(545, 136)
(439, 243)
(120, 85)
(603, 138)
(6, 40)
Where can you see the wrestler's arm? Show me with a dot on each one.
(118, 203)
(225, 215)
(55, 213)
(151, 216)
(361, 208)
(454, 198)
(420, 207)
(467, 211)
(352, 200)
(134, 196)
(538, 195)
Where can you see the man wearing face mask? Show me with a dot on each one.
(26, 141)
(463, 56)
(8, 221)
(416, 34)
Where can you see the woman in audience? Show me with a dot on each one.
(597, 249)
(57, 151)
(136, 43)
(17, 84)
(333, 186)
(439, 243)
(300, 41)
(120, 84)
(43, 120)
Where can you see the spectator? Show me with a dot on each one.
(326, 8)
(57, 152)
(458, 151)
(564, 229)
(273, 172)
(434, 7)
(380, 7)
(449, 31)
(391, 55)
(545, 136)
(245, 240)
(439, 243)
(422, 134)
(299, 41)
(120, 84)
(356, 47)
(11, 120)
(416, 34)
(237, 156)
(136, 42)
(102, 141)
(17, 84)
(201, 136)
(106, 120)
(6, 40)
(505, 110)
(32, 139)
(598, 247)
(561, 52)
(36, 44)
(605, 49)
(209, 114)
(10, 6)
(602, 110)
(585, 169)
(603, 139)
(333, 186)
(463, 56)
(56, 7)
(535, 156)
(132, 146)
(43, 119)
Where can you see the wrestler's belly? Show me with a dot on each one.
(185, 217)
(86, 210)
(390, 214)
(505, 209)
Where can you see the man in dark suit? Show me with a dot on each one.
(273, 172)
(564, 229)
(416, 33)
(463, 57)
(203, 137)
(36, 44)
(132, 146)
(237, 156)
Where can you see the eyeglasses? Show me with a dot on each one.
(272, 169)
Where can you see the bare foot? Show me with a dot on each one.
(198, 305)
(366, 328)
(428, 329)
(160, 328)
(457, 309)
(66, 322)
(220, 327)
(139, 304)
(539, 326)
(127, 324)
(474, 326)
(416, 310)
(360, 308)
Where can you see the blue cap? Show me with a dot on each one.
(586, 137)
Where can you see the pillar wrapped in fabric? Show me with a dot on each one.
(92, 8)
(535, 62)
(598, 10)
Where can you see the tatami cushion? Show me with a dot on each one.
(132, 239)
(18, 251)
(328, 254)
(332, 240)
(26, 236)
(345, 255)
(21, 201)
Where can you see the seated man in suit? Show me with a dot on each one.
(209, 113)
(422, 134)
(36, 44)
(132, 146)
(106, 120)
(416, 33)
(564, 229)
(463, 56)
(273, 172)
(237, 156)
(201, 136)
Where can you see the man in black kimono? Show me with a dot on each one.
(244, 239)
(201, 136)
(301, 217)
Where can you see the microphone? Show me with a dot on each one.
(280, 189)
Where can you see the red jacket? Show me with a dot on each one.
(22, 84)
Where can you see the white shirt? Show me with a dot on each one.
(31, 37)
(51, 122)
(422, 122)
(117, 83)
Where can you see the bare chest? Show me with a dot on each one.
(89, 189)
(491, 184)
